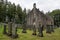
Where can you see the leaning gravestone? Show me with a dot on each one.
(9, 28)
(40, 30)
(14, 31)
(5, 26)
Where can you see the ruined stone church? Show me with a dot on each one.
(35, 16)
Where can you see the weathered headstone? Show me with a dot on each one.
(34, 30)
(4, 31)
(24, 29)
(9, 28)
(40, 30)
(14, 31)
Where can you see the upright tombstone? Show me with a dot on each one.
(34, 29)
(24, 28)
(40, 30)
(4, 31)
(9, 28)
(14, 31)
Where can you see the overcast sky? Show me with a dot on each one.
(45, 5)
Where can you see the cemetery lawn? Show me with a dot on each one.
(29, 36)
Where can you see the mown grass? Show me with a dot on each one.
(29, 36)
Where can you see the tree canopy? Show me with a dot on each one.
(10, 10)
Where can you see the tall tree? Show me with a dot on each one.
(20, 13)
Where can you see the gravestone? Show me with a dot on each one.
(14, 30)
(9, 28)
(34, 30)
(40, 30)
(4, 31)
(48, 29)
(24, 28)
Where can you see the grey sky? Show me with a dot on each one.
(45, 5)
